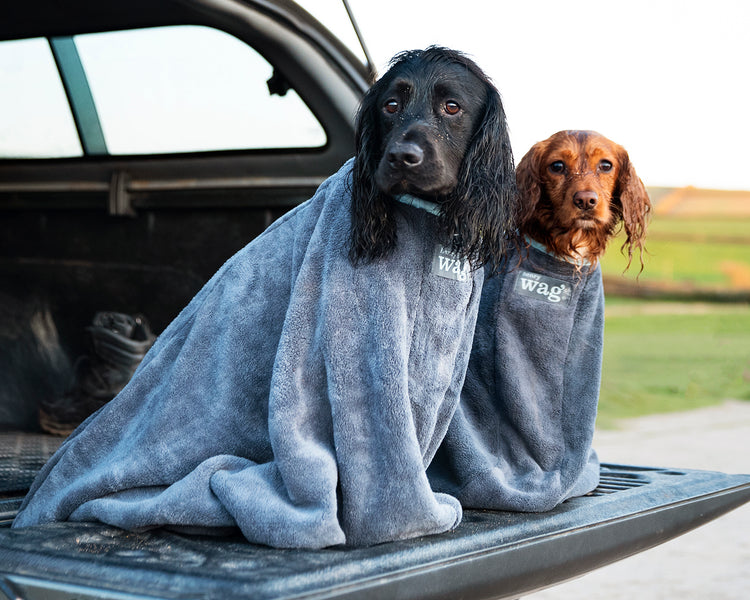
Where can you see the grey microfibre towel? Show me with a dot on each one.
(297, 396)
(521, 438)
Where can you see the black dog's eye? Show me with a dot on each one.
(557, 167)
(605, 166)
(392, 106)
(452, 108)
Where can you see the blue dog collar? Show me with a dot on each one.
(542, 248)
(431, 207)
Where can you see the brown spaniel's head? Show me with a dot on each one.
(576, 187)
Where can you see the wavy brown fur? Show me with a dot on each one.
(550, 214)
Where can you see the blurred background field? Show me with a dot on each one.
(677, 335)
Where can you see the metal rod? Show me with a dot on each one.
(370, 64)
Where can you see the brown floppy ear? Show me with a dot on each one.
(529, 183)
(635, 205)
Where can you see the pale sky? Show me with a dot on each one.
(667, 79)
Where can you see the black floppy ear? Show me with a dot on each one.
(633, 200)
(484, 210)
(373, 228)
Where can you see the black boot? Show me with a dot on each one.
(118, 344)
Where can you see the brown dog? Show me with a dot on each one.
(576, 187)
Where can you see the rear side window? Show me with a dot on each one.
(35, 119)
(162, 90)
(183, 89)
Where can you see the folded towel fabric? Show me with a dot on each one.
(297, 397)
(521, 437)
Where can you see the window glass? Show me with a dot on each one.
(35, 119)
(189, 88)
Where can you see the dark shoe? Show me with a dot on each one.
(118, 344)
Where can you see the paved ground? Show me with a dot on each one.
(709, 563)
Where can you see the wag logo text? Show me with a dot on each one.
(542, 287)
(449, 265)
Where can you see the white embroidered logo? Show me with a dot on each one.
(449, 265)
(542, 287)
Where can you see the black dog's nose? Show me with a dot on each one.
(585, 199)
(405, 154)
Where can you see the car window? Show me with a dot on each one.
(35, 120)
(159, 90)
(189, 88)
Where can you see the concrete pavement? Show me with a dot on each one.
(709, 563)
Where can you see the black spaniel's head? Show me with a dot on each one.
(434, 127)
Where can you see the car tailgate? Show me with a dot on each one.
(490, 555)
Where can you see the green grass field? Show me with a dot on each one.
(693, 251)
(662, 357)
(670, 356)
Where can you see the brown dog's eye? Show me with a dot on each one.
(557, 167)
(605, 166)
(452, 108)
(392, 106)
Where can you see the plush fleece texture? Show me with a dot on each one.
(521, 437)
(297, 397)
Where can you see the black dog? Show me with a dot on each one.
(434, 126)
(303, 390)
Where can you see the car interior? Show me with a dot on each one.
(143, 144)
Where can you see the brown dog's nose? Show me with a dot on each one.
(405, 154)
(585, 199)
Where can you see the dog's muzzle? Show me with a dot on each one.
(403, 155)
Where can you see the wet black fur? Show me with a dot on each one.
(480, 213)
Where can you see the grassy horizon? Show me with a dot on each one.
(693, 251)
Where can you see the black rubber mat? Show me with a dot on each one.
(21, 457)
